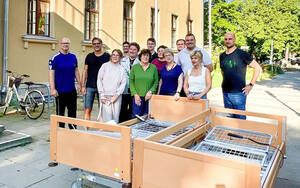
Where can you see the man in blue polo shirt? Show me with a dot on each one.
(63, 69)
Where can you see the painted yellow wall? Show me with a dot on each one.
(111, 25)
(67, 20)
(166, 9)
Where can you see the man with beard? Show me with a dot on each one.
(184, 59)
(93, 63)
(233, 63)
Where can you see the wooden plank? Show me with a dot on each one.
(53, 137)
(246, 124)
(172, 129)
(247, 113)
(167, 109)
(125, 157)
(87, 123)
(138, 156)
(91, 152)
(188, 138)
(168, 166)
(271, 178)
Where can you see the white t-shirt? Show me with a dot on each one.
(184, 59)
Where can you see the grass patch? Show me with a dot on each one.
(268, 73)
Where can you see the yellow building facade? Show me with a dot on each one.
(36, 26)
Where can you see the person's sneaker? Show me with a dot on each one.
(52, 164)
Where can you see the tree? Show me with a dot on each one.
(226, 16)
(265, 20)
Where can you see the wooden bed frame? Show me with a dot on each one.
(162, 166)
(106, 155)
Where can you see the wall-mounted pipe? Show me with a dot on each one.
(5, 43)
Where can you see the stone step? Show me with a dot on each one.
(10, 139)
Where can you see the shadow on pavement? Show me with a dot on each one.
(272, 95)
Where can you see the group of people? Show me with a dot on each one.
(124, 82)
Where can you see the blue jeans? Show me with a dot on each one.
(139, 110)
(89, 97)
(235, 101)
(197, 93)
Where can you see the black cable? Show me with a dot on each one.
(257, 142)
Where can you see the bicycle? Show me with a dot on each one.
(33, 101)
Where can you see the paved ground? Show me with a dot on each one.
(27, 166)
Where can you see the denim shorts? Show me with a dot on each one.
(197, 93)
(89, 97)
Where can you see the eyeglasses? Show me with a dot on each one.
(65, 43)
(96, 43)
(115, 55)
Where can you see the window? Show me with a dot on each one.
(190, 26)
(152, 22)
(127, 22)
(174, 31)
(91, 19)
(38, 19)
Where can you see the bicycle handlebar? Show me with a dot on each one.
(18, 75)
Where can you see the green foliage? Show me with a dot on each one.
(276, 20)
(255, 23)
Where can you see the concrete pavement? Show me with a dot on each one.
(27, 166)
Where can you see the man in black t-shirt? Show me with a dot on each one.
(151, 43)
(233, 63)
(93, 62)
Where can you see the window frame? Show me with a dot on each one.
(190, 26)
(174, 19)
(31, 20)
(91, 11)
(127, 20)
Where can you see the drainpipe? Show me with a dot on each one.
(5, 39)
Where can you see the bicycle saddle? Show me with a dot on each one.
(29, 83)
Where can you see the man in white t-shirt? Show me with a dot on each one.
(184, 59)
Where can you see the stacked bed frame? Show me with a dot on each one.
(197, 147)
(109, 153)
(214, 154)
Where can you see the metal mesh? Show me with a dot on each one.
(231, 152)
(218, 143)
(220, 134)
(150, 127)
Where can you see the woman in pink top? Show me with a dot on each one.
(160, 61)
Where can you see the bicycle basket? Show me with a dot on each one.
(17, 82)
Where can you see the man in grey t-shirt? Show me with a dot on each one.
(184, 59)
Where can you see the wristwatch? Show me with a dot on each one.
(250, 84)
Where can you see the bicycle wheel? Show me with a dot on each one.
(34, 104)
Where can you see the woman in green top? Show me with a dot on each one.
(143, 82)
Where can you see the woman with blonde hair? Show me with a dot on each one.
(197, 81)
(111, 84)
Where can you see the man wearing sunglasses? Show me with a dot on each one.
(93, 62)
